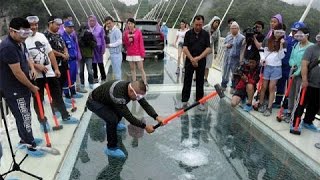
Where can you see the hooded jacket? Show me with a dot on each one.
(98, 33)
(215, 35)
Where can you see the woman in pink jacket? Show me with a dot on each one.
(133, 42)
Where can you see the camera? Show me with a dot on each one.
(250, 32)
(239, 72)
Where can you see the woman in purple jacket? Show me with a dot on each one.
(98, 33)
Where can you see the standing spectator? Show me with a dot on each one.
(281, 84)
(134, 44)
(114, 46)
(214, 45)
(310, 72)
(253, 42)
(165, 30)
(58, 47)
(98, 33)
(68, 17)
(72, 62)
(233, 43)
(87, 44)
(179, 41)
(15, 84)
(275, 21)
(274, 51)
(45, 64)
(196, 46)
(302, 36)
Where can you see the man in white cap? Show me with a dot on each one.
(233, 45)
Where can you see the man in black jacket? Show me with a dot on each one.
(109, 101)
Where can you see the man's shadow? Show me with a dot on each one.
(115, 165)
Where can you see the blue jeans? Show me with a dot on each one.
(229, 67)
(86, 62)
(116, 60)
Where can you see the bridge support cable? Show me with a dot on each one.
(45, 6)
(104, 9)
(136, 14)
(115, 11)
(149, 14)
(83, 8)
(89, 6)
(102, 12)
(96, 13)
(305, 13)
(165, 10)
(225, 14)
(98, 9)
(196, 11)
(179, 14)
(154, 11)
(74, 14)
(171, 10)
(163, 3)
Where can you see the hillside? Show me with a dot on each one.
(246, 12)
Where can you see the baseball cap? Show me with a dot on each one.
(297, 25)
(68, 24)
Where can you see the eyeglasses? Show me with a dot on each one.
(138, 96)
(24, 33)
(279, 32)
(32, 19)
(318, 37)
(57, 20)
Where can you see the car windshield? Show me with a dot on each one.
(147, 26)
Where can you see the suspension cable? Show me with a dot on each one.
(45, 5)
(179, 14)
(101, 9)
(97, 14)
(115, 11)
(136, 14)
(171, 11)
(83, 8)
(226, 13)
(164, 2)
(97, 8)
(165, 10)
(304, 15)
(155, 10)
(89, 7)
(74, 14)
(196, 11)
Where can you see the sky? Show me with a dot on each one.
(129, 2)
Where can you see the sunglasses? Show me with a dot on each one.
(318, 37)
(138, 96)
(32, 19)
(57, 20)
(22, 32)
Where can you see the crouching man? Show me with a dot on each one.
(247, 76)
(109, 102)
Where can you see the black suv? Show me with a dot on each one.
(152, 36)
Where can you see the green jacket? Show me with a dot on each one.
(296, 57)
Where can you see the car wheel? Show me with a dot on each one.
(161, 56)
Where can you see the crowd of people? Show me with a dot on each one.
(254, 63)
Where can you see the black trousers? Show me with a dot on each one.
(111, 118)
(189, 69)
(95, 71)
(19, 104)
(63, 78)
(56, 94)
(311, 103)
